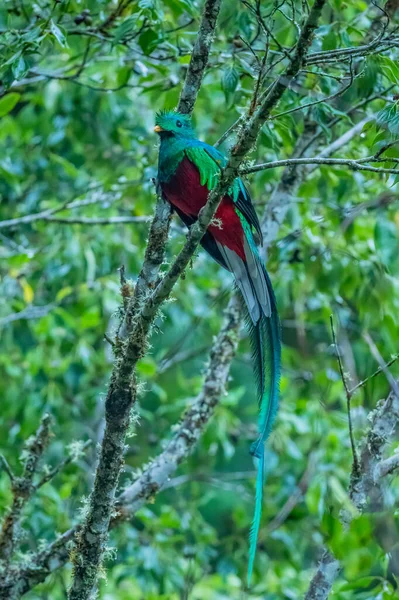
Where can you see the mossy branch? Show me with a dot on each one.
(91, 538)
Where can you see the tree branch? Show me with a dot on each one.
(91, 538)
(365, 485)
(22, 489)
(363, 490)
(353, 165)
(336, 94)
(380, 42)
(199, 56)
(323, 580)
(387, 466)
(117, 220)
(48, 214)
(297, 495)
(32, 312)
(156, 476)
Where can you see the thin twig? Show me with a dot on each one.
(229, 131)
(343, 53)
(380, 370)
(7, 468)
(267, 30)
(67, 205)
(376, 353)
(340, 92)
(118, 220)
(64, 463)
(383, 200)
(348, 400)
(353, 165)
(295, 497)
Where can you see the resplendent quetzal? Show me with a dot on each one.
(188, 170)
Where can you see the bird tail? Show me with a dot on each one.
(264, 330)
(265, 338)
(266, 351)
(253, 534)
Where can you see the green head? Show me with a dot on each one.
(173, 124)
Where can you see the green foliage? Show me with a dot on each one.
(389, 118)
(79, 90)
(230, 82)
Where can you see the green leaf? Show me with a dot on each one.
(388, 117)
(59, 34)
(148, 40)
(178, 7)
(390, 69)
(147, 366)
(363, 582)
(19, 68)
(33, 35)
(13, 59)
(8, 102)
(123, 75)
(368, 81)
(63, 293)
(125, 28)
(386, 241)
(229, 83)
(68, 167)
(230, 79)
(330, 41)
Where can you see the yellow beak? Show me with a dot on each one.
(158, 129)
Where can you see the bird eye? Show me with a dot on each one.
(179, 124)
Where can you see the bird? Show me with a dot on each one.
(188, 170)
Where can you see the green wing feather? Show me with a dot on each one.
(208, 168)
(210, 162)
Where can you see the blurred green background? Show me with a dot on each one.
(77, 103)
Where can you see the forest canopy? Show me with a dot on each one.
(95, 328)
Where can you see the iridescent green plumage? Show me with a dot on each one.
(188, 170)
